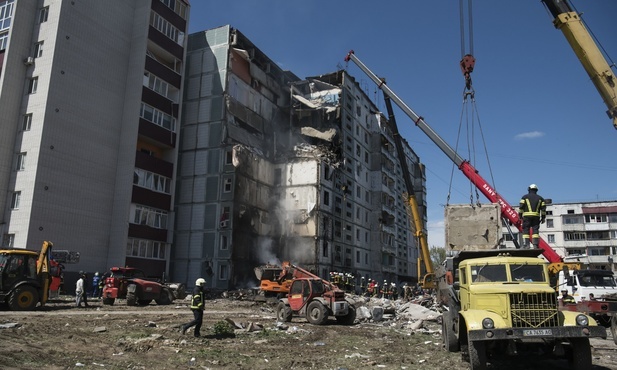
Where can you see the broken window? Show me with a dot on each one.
(227, 186)
(326, 198)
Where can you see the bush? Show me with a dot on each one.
(223, 329)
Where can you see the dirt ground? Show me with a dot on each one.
(60, 336)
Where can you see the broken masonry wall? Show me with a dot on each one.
(253, 214)
(299, 198)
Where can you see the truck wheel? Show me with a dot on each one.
(581, 354)
(109, 301)
(316, 313)
(131, 299)
(614, 328)
(165, 298)
(283, 312)
(447, 331)
(24, 298)
(477, 355)
(348, 319)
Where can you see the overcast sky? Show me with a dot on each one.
(538, 115)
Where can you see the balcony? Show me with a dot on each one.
(157, 133)
(163, 71)
(573, 227)
(388, 249)
(166, 43)
(388, 268)
(600, 226)
(153, 164)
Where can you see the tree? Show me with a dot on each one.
(438, 255)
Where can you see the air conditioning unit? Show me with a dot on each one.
(224, 223)
(29, 61)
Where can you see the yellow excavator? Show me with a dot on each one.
(25, 277)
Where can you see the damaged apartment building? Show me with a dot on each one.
(274, 168)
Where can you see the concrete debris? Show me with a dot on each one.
(247, 327)
(10, 325)
(100, 329)
(151, 337)
(151, 324)
(327, 135)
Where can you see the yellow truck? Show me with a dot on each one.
(501, 302)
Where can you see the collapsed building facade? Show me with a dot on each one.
(276, 168)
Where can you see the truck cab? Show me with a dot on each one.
(505, 305)
(581, 283)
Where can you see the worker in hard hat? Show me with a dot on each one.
(532, 210)
(197, 306)
(95, 285)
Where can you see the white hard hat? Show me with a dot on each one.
(533, 187)
(96, 274)
(200, 282)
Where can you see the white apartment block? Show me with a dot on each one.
(89, 95)
(584, 232)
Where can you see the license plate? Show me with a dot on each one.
(537, 332)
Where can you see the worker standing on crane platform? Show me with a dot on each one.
(532, 210)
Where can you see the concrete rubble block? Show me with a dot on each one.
(472, 227)
(412, 311)
(234, 323)
(100, 329)
(363, 313)
(10, 325)
(253, 326)
(377, 313)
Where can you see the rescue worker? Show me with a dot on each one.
(80, 290)
(370, 289)
(449, 277)
(197, 306)
(532, 210)
(96, 279)
(393, 291)
(566, 298)
(362, 286)
(384, 290)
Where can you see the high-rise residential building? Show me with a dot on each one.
(236, 103)
(275, 168)
(89, 95)
(585, 232)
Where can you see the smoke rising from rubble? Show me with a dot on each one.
(265, 253)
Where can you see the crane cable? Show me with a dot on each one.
(469, 111)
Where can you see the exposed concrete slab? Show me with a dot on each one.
(473, 227)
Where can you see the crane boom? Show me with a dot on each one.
(428, 278)
(507, 212)
(587, 51)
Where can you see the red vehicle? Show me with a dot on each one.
(133, 285)
(314, 298)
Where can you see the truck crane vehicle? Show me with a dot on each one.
(426, 278)
(313, 297)
(490, 319)
(25, 277)
(587, 51)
